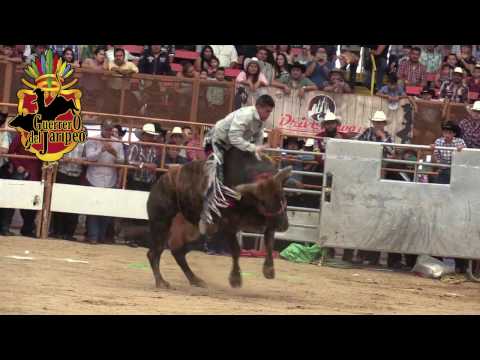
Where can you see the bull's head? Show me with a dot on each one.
(269, 198)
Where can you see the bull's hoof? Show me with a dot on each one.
(198, 283)
(269, 272)
(162, 284)
(235, 280)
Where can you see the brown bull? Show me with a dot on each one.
(176, 201)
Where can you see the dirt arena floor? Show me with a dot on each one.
(116, 279)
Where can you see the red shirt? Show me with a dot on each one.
(33, 166)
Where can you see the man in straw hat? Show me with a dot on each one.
(470, 126)
(377, 131)
(454, 90)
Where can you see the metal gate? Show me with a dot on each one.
(362, 211)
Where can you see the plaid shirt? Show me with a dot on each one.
(445, 156)
(453, 92)
(413, 73)
(146, 154)
(471, 132)
(369, 135)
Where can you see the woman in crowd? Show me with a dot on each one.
(203, 62)
(252, 78)
(69, 57)
(281, 67)
(285, 50)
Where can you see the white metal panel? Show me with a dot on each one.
(99, 201)
(20, 194)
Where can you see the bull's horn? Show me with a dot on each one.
(283, 174)
(246, 188)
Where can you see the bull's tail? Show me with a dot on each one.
(216, 194)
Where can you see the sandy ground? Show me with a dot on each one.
(117, 280)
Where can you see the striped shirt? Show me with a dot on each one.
(414, 73)
(445, 156)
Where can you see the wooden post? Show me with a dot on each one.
(47, 200)
(195, 96)
(7, 85)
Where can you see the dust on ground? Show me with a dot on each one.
(118, 280)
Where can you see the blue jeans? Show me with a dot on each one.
(97, 227)
(381, 64)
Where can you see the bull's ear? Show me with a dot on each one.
(283, 174)
(247, 189)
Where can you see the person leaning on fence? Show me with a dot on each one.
(375, 133)
(449, 138)
(470, 126)
(336, 82)
(296, 81)
(454, 90)
(69, 172)
(6, 171)
(102, 176)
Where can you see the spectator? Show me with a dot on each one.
(466, 60)
(226, 54)
(296, 80)
(88, 52)
(470, 126)
(213, 67)
(336, 82)
(155, 61)
(474, 82)
(68, 56)
(187, 134)
(445, 75)
(350, 56)
(318, 69)
(281, 67)
(295, 180)
(380, 53)
(173, 156)
(60, 50)
(178, 137)
(38, 50)
(98, 62)
(102, 176)
(195, 141)
(6, 171)
(25, 169)
(203, 74)
(9, 53)
(216, 96)
(431, 58)
(375, 133)
(184, 89)
(252, 78)
(111, 52)
(120, 66)
(305, 56)
(393, 92)
(64, 224)
(265, 67)
(286, 51)
(452, 61)
(412, 72)
(203, 62)
(427, 94)
(454, 90)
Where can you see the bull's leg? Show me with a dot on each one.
(158, 233)
(179, 255)
(235, 276)
(269, 239)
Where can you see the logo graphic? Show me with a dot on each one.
(319, 106)
(48, 118)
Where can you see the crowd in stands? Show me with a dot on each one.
(431, 72)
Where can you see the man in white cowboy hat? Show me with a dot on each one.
(377, 131)
(454, 90)
(470, 126)
(330, 127)
(178, 136)
(147, 159)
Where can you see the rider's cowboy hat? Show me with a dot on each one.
(379, 116)
(330, 116)
(147, 128)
